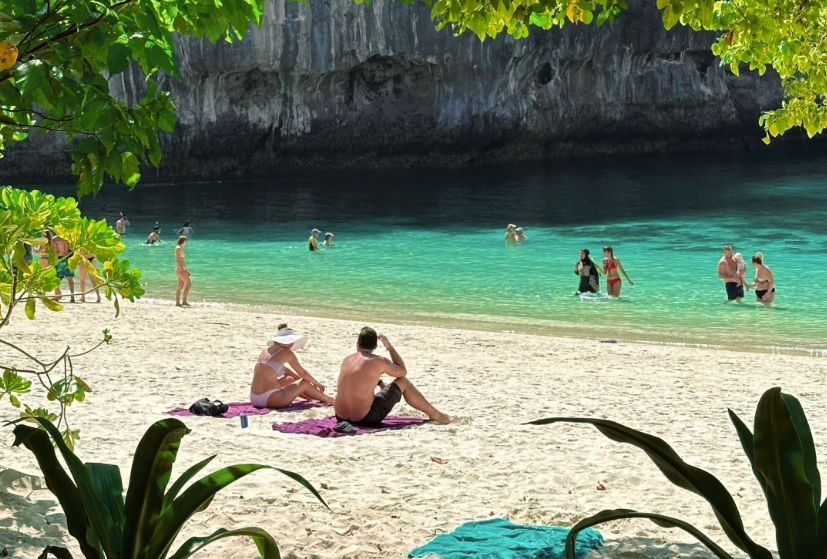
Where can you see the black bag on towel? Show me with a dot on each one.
(205, 407)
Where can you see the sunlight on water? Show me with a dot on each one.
(428, 246)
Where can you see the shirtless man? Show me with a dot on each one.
(355, 399)
(728, 271)
(122, 224)
(62, 270)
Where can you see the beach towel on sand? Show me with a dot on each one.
(500, 539)
(325, 427)
(246, 408)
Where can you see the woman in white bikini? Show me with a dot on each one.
(274, 384)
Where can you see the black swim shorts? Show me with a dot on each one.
(383, 403)
(734, 290)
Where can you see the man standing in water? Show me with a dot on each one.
(728, 271)
(356, 402)
(62, 270)
(122, 224)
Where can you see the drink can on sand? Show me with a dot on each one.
(243, 421)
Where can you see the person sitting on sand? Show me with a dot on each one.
(154, 237)
(518, 235)
(274, 384)
(356, 401)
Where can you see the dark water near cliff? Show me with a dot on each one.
(428, 245)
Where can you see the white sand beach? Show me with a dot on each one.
(386, 494)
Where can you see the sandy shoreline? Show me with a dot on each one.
(385, 486)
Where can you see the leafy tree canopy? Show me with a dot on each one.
(55, 56)
(788, 35)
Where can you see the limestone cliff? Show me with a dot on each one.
(335, 84)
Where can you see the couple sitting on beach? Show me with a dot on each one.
(278, 379)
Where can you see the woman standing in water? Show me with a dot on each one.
(611, 265)
(589, 273)
(186, 230)
(154, 237)
(510, 233)
(184, 281)
(764, 280)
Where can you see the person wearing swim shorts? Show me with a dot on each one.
(358, 404)
(611, 265)
(728, 272)
(764, 281)
(62, 270)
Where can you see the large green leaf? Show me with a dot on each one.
(151, 470)
(99, 517)
(196, 495)
(267, 547)
(745, 436)
(106, 479)
(808, 447)
(778, 456)
(182, 481)
(660, 520)
(681, 474)
(59, 483)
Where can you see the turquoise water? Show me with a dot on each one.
(428, 247)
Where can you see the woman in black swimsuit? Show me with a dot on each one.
(764, 280)
(588, 272)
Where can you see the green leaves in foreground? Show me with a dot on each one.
(66, 50)
(146, 523)
(783, 458)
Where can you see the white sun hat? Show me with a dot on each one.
(288, 337)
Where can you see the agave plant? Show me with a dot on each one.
(783, 459)
(146, 523)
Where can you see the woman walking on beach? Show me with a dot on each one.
(184, 281)
(764, 280)
(588, 272)
(611, 265)
(278, 378)
(83, 275)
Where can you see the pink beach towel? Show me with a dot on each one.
(324, 427)
(246, 408)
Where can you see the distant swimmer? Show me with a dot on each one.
(122, 224)
(186, 230)
(589, 273)
(764, 280)
(728, 272)
(518, 235)
(328, 239)
(312, 242)
(610, 266)
(154, 237)
(510, 233)
(182, 272)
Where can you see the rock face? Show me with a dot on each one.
(334, 84)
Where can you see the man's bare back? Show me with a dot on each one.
(356, 400)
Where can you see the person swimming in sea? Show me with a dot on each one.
(154, 237)
(589, 273)
(611, 265)
(510, 234)
(312, 242)
(328, 239)
(519, 236)
(186, 230)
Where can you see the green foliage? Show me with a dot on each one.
(783, 458)
(787, 35)
(65, 50)
(143, 525)
(26, 279)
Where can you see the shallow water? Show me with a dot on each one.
(428, 245)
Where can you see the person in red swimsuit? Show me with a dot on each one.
(612, 265)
